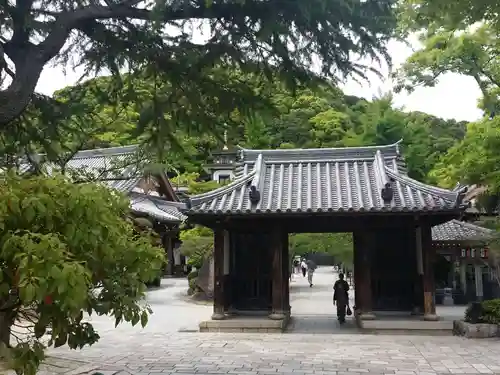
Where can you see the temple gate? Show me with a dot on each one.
(363, 190)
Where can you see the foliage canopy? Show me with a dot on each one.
(67, 250)
(183, 42)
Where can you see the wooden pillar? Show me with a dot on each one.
(227, 272)
(364, 243)
(169, 250)
(478, 278)
(428, 254)
(463, 276)
(357, 270)
(286, 273)
(418, 297)
(279, 268)
(219, 300)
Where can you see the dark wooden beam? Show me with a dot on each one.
(358, 272)
(418, 288)
(428, 254)
(166, 187)
(219, 298)
(169, 250)
(286, 272)
(278, 294)
(319, 222)
(364, 244)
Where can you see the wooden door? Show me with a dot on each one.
(251, 269)
(393, 271)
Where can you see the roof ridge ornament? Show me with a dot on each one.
(398, 150)
(462, 192)
(386, 191)
(254, 193)
(225, 148)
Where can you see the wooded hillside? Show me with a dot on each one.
(310, 117)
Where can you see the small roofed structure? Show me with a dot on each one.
(125, 169)
(466, 247)
(457, 233)
(221, 163)
(363, 190)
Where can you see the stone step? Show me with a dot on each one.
(407, 326)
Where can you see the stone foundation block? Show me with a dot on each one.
(477, 331)
(241, 324)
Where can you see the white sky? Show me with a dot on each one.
(454, 96)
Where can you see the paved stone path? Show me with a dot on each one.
(312, 308)
(310, 348)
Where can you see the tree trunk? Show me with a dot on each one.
(5, 328)
(16, 97)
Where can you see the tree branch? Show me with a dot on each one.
(30, 59)
(20, 17)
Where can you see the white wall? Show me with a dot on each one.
(216, 174)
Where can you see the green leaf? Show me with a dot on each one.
(29, 214)
(28, 292)
(144, 319)
(61, 339)
(135, 319)
(39, 330)
(118, 319)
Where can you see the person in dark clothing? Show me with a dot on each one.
(303, 266)
(341, 297)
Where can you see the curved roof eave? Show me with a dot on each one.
(308, 151)
(449, 195)
(200, 198)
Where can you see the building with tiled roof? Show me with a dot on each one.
(123, 169)
(362, 190)
(334, 180)
(153, 200)
(458, 232)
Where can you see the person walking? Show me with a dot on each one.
(341, 297)
(311, 267)
(303, 266)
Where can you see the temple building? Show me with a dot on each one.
(363, 190)
(221, 166)
(464, 264)
(153, 201)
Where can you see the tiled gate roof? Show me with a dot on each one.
(457, 231)
(352, 179)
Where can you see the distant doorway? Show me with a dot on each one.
(312, 307)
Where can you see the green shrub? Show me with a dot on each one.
(192, 275)
(192, 284)
(491, 311)
(67, 250)
(484, 312)
(197, 244)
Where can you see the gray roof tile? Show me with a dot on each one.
(157, 208)
(457, 231)
(324, 180)
(121, 168)
(117, 167)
